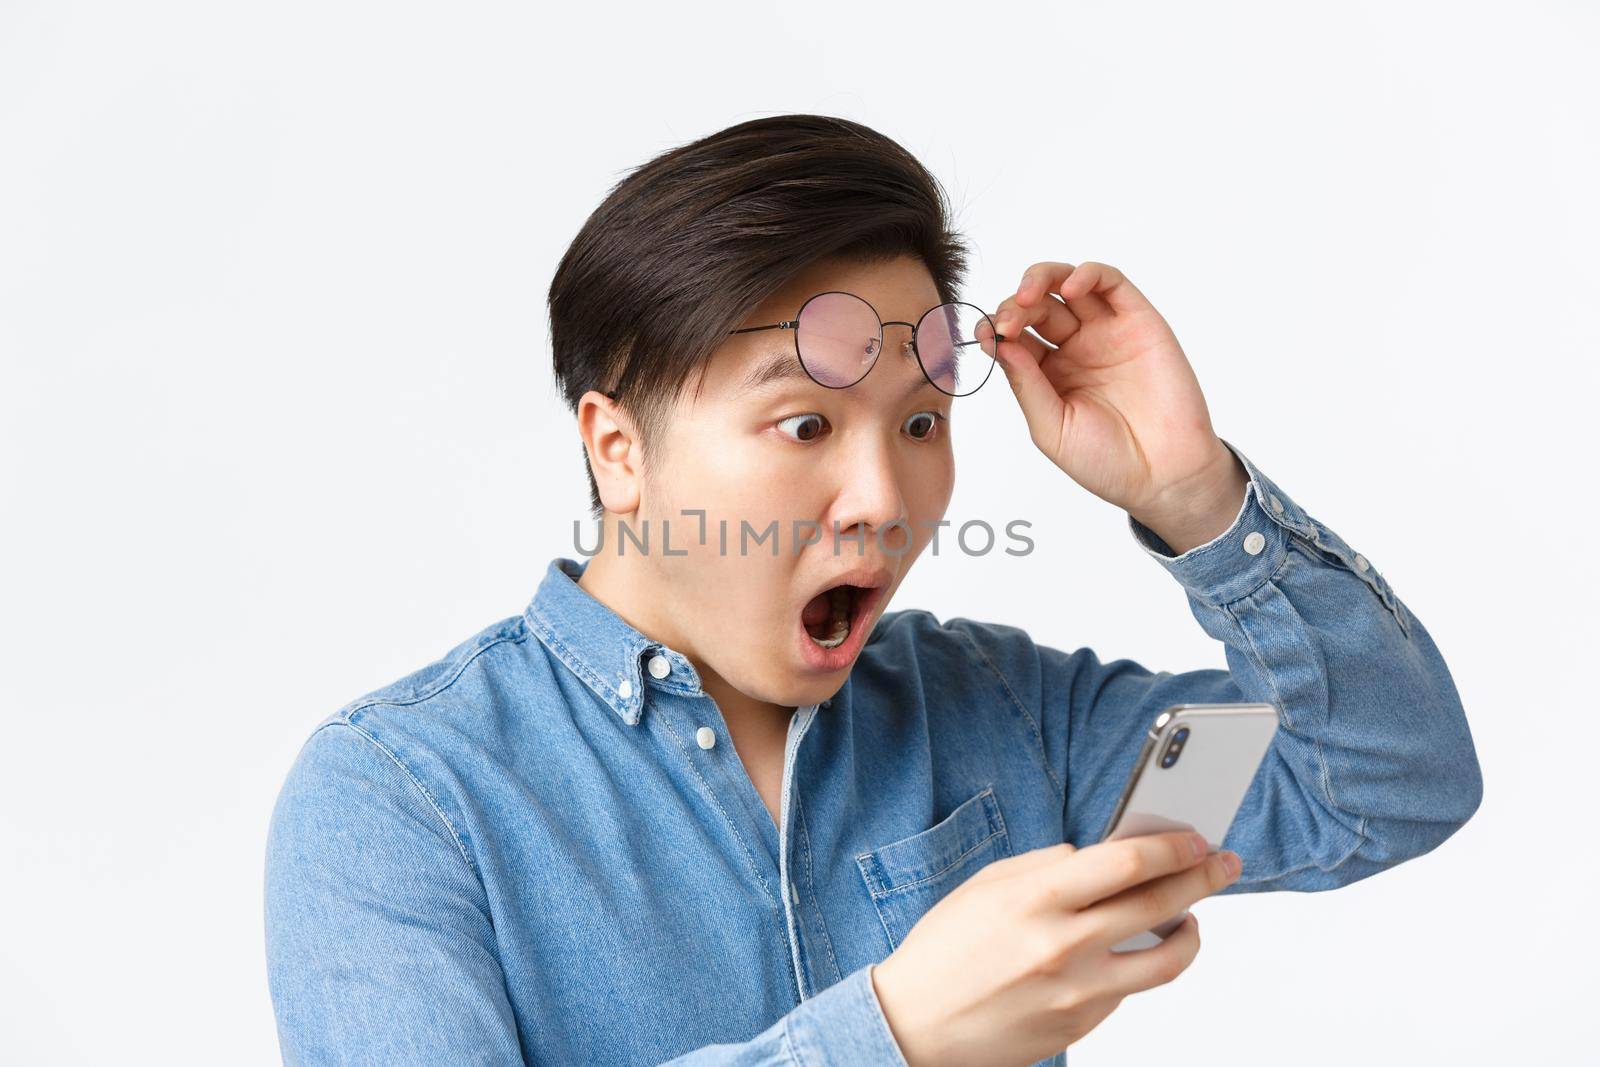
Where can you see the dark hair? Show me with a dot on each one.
(689, 243)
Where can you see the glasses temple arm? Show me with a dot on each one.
(774, 326)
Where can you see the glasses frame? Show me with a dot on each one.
(794, 324)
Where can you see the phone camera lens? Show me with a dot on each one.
(1174, 747)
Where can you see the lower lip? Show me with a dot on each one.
(828, 660)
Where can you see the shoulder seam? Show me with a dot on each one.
(362, 703)
(416, 783)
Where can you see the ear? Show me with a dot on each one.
(614, 449)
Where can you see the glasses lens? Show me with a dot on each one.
(838, 337)
(955, 343)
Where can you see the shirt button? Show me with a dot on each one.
(1361, 562)
(1277, 505)
(705, 736)
(1254, 542)
(659, 667)
(625, 689)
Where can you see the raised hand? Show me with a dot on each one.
(1110, 398)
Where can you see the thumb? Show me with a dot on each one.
(1041, 405)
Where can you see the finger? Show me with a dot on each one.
(1049, 276)
(1031, 342)
(1106, 282)
(1110, 867)
(1041, 278)
(1026, 863)
(1042, 406)
(1146, 968)
(1154, 902)
(1049, 317)
(1041, 353)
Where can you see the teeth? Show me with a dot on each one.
(841, 630)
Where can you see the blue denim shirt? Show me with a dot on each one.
(543, 848)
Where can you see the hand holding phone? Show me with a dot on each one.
(1197, 762)
(1015, 963)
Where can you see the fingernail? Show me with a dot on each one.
(1199, 844)
(1231, 864)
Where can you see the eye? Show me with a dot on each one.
(806, 427)
(924, 425)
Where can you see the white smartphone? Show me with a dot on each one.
(1197, 762)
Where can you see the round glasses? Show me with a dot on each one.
(838, 337)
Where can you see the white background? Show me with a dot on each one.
(279, 427)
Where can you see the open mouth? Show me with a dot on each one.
(833, 624)
(830, 614)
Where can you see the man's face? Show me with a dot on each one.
(872, 460)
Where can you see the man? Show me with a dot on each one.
(707, 800)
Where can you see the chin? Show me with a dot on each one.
(785, 685)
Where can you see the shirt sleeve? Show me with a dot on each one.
(840, 1026)
(380, 948)
(1372, 763)
(379, 945)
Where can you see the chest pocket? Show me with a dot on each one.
(911, 875)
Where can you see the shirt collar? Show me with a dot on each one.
(614, 659)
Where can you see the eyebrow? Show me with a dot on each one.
(785, 367)
(775, 367)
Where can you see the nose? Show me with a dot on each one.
(907, 349)
(870, 507)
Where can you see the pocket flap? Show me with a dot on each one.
(929, 853)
